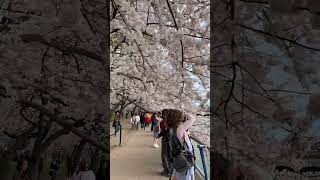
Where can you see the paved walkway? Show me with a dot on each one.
(137, 159)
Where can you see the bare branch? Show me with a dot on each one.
(28, 38)
(65, 124)
(172, 15)
(278, 37)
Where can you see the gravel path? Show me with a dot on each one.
(137, 159)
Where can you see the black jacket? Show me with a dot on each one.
(164, 134)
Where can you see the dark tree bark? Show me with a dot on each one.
(77, 155)
(221, 166)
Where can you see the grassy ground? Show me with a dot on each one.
(7, 170)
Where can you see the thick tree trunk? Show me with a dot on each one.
(67, 125)
(36, 165)
(77, 155)
(221, 168)
(95, 160)
(38, 150)
(36, 156)
(134, 109)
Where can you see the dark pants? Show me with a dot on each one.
(165, 156)
(137, 125)
(143, 125)
(117, 127)
(151, 126)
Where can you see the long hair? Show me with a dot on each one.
(164, 113)
(174, 118)
(164, 116)
(153, 117)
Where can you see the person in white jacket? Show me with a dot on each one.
(137, 121)
(132, 121)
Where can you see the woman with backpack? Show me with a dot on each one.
(181, 149)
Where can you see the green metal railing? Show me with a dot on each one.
(202, 158)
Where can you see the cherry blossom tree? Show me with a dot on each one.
(264, 85)
(159, 52)
(54, 75)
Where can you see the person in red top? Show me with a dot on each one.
(148, 120)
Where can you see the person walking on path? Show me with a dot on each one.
(137, 121)
(143, 121)
(132, 121)
(179, 123)
(156, 128)
(165, 150)
(116, 123)
(153, 120)
(148, 119)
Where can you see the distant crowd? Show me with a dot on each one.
(143, 120)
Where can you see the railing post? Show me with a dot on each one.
(201, 147)
(120, 134)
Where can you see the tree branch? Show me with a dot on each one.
(28, 38)
(84, 14)
(53, 137)
(172, 15)
(278, 37)
(65, 124)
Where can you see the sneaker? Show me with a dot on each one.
(155, 145)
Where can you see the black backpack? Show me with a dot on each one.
(180, 157)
